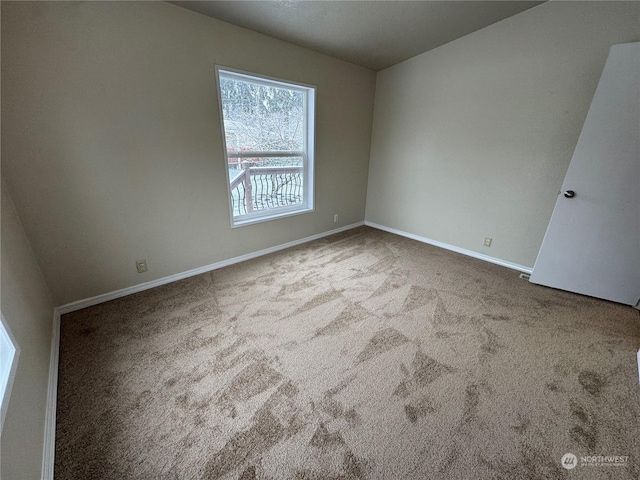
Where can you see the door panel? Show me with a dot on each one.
(592, 244)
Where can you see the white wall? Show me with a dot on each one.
(473, 139)
(28, 311)
(112, 143)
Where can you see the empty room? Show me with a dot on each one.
(320, 240)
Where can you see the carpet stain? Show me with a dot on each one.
(552, 387)
(171, 382)
(88, 331)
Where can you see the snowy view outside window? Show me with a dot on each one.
(268, 130)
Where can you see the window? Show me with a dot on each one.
(268, 128)
(8, 363)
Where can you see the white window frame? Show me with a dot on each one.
(9, 353)
(308, 153)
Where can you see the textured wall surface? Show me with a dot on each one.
(473, 139)
(112, 144)
(28, 310)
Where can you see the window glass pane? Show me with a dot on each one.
(261, 118)
(268, 131)
(8, 359)
(266, 183)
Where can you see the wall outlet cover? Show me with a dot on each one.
(141, 266)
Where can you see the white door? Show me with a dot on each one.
(592, 244)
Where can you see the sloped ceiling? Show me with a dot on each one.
(373, 34)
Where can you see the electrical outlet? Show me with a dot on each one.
(141, 266)
(335, 218)
(487, 241)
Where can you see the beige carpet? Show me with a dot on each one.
(363, 355)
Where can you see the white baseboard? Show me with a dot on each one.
(453, 248)
(105, 297)
(49, 445)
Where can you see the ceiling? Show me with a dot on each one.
(373, 34)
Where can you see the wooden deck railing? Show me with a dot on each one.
(259, 188)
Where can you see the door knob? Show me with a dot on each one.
(569, 194)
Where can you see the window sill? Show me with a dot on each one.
(243, 222)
